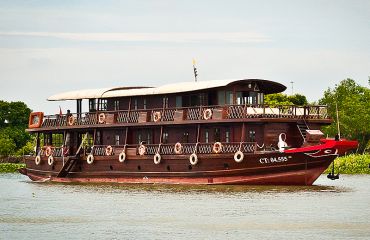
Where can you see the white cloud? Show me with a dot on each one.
(176, 37)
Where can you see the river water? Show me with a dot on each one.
(328, 210)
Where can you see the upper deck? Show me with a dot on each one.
(218, 101)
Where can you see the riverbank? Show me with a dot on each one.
(10, 167)
(351, 164)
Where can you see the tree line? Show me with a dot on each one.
(351, 99)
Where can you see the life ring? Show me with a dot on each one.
(37, 160)
(50, 160)
(90, 159)
(157, 116)
(108, 150)
(207, 114)
(71, 120)
(239, 156)
(178, 148)
(48, 151)
(122, 157)
(193, 159)
(101, 118)
(217, 147)
(157, 158)
(142, 150)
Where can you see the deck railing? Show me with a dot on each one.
(169, 149)
(186, 114)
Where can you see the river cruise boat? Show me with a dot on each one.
(207, 132)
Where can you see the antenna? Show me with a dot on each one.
(292, 86)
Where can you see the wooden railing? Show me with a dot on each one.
(187, 148)
(187, 114)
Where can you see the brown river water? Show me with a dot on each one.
(337, 209)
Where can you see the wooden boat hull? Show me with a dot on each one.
(272, 168)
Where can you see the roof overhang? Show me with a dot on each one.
(265, 86)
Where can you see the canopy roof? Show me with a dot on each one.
(265, 86)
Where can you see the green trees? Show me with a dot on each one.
(353, 103)
(13, 122)
(283, 99)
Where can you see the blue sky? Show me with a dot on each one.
(48, 47)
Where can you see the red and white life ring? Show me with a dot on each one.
(207, 114)
(157, 116)
(71, 120)
(108, 150)
(142, 150)
(178, 148)
(48, 151)
(217, 147)
(101, 118)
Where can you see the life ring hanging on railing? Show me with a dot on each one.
(50, 160)
(217, 147)
(207, 114)
(142, 150)
(48, 151)
(157, 116)
(122, 156)
(37, 160)
(157, 158)
(178, 148)
(108, 150)
(71, 120)
(90, 159)
(193, 159)
(101, 118)
(239, 156)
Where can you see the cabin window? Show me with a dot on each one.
(260, 98)
(252, 135)
(48, 140)
(98, 138)
(57, 139)
(239, 98)
(252, 98)
(227, 135)
(229, 97)
(194, 100)
(103, 104)
(165, 137)
(144, 103)
(116, 105)
(178, 101)
(217, 135)
(206, 136)
(203, 99)
(221, 97)
(185, 137)
(135, 104)
(92, 105)
(116, 138)
(165, 102)
(139, 138)
(149, 138)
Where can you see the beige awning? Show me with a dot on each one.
(269, 87)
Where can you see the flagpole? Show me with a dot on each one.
(195, 71)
